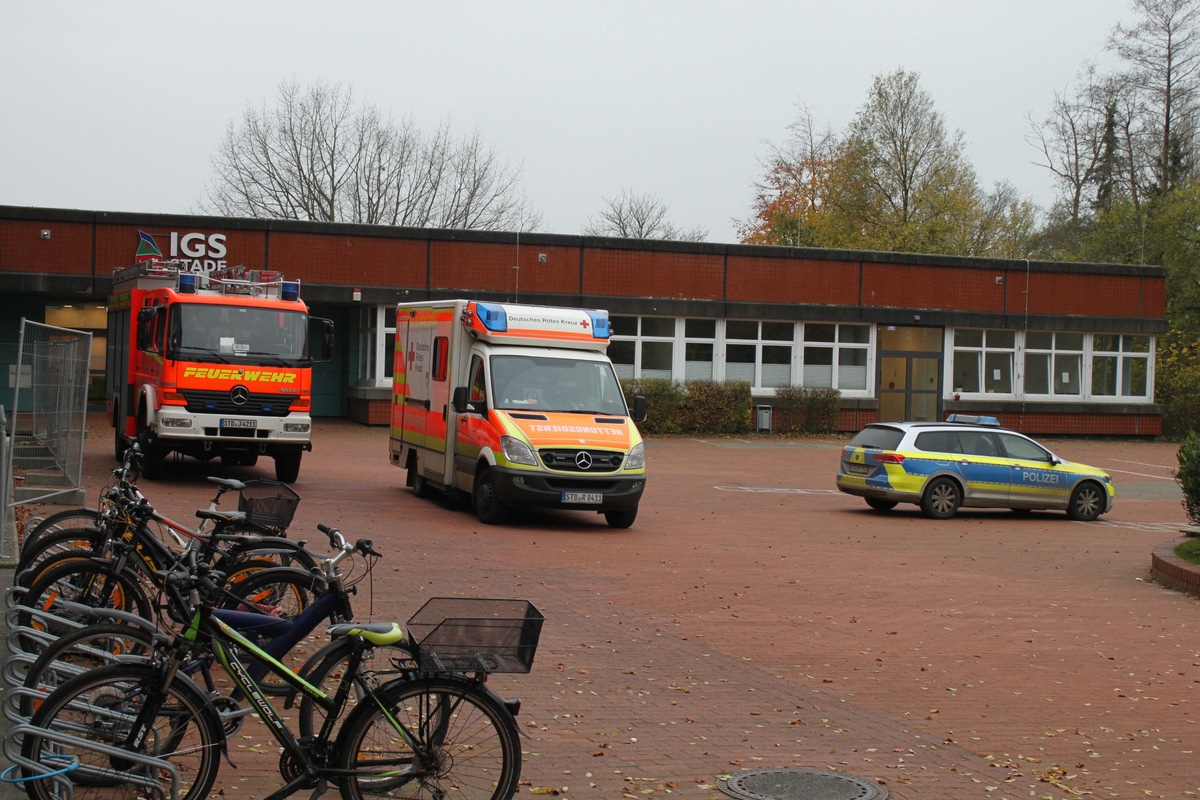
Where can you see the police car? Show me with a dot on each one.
(967, 461)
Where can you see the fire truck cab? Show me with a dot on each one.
(516, 406)
(212, 365)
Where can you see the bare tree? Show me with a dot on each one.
(639, 216)
(1163, 54)
(317, 155)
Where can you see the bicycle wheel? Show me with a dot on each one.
(82, 540)
(70, 518)
(458, 740)
(98, 709)
(79, 651)
(327, 668)
(96, 584)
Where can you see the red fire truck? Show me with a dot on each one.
(211, 365)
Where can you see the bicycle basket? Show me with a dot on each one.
(472, 634)
(269, 504)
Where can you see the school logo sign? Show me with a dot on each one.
(202, 252)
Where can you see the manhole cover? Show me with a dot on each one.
(800, 784)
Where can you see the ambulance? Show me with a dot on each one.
(517, 406)
(211, 365)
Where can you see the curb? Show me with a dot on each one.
(1171, 570)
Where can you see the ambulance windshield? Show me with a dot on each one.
(237, 334)
(556, 384)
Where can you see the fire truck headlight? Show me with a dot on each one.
(296, 427)
(637, 457)
(517, 451)
(175, 422)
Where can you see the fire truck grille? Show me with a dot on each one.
(582, 460)
(257, 405)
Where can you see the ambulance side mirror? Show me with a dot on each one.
(461, 400)
(639, 408)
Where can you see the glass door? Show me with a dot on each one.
(910, 373)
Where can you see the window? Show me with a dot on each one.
(1022, 448)
(983, 361)
(1120, 366)
(698, 338)
(376, 345)
(847, 346)
(1053, 363)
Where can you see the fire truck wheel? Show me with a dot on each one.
(154, 461)
(488, 508)
(120, 446)
(287, 466)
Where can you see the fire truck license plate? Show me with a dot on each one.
(239, 424)
(582, 497)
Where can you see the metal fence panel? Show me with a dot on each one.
(48, 416)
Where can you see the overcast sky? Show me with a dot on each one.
(119, 105)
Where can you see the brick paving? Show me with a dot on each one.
(753, 618)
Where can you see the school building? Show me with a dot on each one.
(1049, 348)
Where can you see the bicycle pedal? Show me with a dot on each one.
(513, 706)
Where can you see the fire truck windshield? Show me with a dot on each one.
(237, 334)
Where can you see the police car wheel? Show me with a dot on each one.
(942, 498)
(881, 505)
(1087, 502)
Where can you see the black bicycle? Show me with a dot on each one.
(147, 729)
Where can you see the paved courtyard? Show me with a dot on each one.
(754, 618)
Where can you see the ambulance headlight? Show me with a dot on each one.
(296, 427)
(637, 457)
(175, 422)
(517, 451)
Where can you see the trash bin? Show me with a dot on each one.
(764, 419)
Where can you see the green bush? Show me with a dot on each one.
(1188, 475)
(798, 409)
(663, 399)
(711, 407)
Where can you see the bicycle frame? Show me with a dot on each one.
(224, 642)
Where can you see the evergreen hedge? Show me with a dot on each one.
(698, 407)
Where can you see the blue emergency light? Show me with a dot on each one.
(492, 316)
(290, 290)
(600, 329)
(974, 419)
(187, 283)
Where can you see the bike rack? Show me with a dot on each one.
(155, 766)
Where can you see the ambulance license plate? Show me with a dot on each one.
(239, 424)
(582, 497)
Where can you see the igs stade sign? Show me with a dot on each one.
(202, 252)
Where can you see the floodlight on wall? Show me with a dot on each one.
(45, 233)
(999, 280)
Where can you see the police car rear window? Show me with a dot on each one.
(878, 438)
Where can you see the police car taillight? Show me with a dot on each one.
(890, 458)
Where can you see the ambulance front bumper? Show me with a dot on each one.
(548, 490)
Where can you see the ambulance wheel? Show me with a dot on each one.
(621, 519)
(487, 506)
(287, 466)
(420, 486)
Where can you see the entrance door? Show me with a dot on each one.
(910, 373)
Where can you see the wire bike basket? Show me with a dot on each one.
(473, 634)
(268, 504)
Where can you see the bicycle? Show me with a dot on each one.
(279, 635)
(70, 530)
(438, 731)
